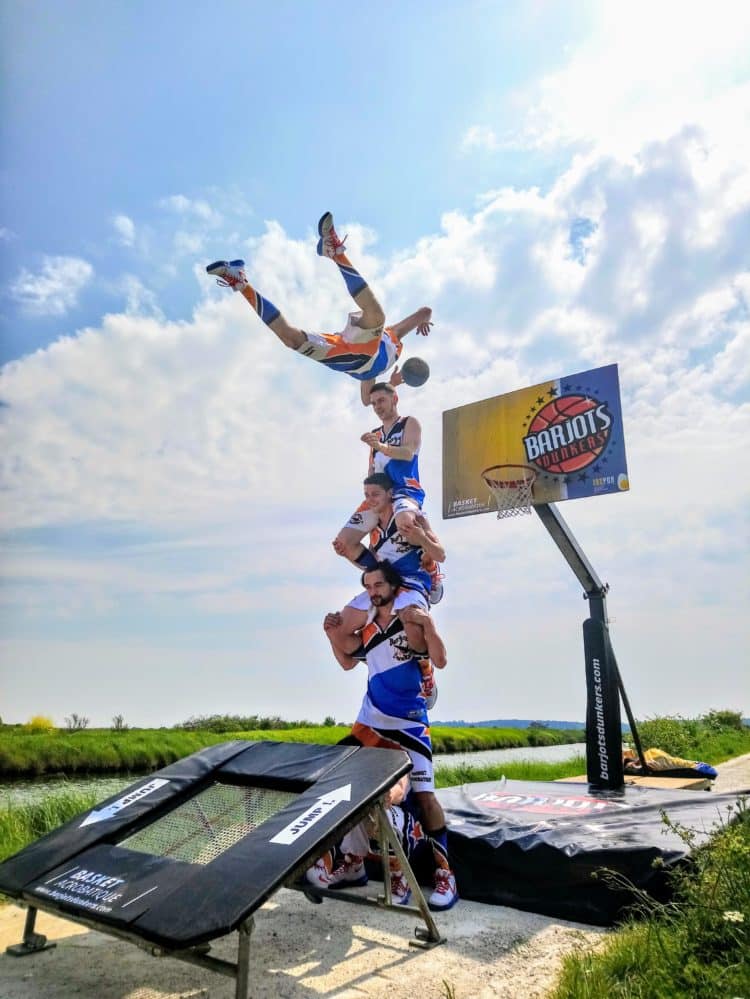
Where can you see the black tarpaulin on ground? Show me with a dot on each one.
(538, 846)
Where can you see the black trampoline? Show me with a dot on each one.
(188, 854)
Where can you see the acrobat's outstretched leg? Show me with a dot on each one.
(329, 245)
(231, 274)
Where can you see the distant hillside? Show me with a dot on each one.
(510, 723)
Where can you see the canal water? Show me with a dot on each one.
(27, 792)
(491, 757)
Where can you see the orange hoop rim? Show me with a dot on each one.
(510, 483)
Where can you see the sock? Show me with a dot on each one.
(425, 668)
(352, 278)
(439, 841)
(265, 309)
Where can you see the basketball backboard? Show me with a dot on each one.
(567, 433)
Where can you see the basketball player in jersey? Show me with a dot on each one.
(410, 552)
(393, 713)
(365, 349)
(394, 451)
(412, 557)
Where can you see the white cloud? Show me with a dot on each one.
(54, 290)
(197, 208)
(479, 137)
(125, 229)
(139, 300)
(644, 72)
(188, 243)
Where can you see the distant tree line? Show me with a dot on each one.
(245, 723)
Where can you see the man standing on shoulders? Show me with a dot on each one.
(411, 552)
(394, 451)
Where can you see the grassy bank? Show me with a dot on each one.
(697, 945)
(22, 824)
(450, 776)
(103, 751)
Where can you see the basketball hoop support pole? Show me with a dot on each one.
(604, 686)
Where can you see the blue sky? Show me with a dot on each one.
(566, 185)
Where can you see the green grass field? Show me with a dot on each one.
(106, 751)
(101, 751)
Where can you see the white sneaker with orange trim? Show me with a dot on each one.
(228, 273)
(400, 890)
(347, 873)
(329, 244)
(445, 894)
(436, 580)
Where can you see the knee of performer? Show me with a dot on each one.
(412, 615)
(290, 336)
(406, 522)
(378, 315)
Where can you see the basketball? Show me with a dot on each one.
(415, 371)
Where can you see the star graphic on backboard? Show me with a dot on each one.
(540, 400)
(552, 392)
(582, 477)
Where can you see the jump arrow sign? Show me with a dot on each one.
(116, 806)
(325, 804)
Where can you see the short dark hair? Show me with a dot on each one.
(390, 574)
(379, 479)
(383, 387)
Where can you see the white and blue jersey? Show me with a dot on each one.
(362, 353)
(388, 353)
(388, 543)
(404, 474)
(394, 684)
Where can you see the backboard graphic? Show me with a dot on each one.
(568, 431)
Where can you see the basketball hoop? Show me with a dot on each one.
(511, 485)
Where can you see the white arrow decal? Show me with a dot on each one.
(117, 806)
(299, 826)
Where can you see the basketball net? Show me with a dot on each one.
(511, 485)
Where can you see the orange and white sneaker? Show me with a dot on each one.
(347, 873)
(329, 244)
(429, 684)
(228, 273)
(436, 580)
(400, 890)
(445, 894)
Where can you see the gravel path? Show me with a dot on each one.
(335, 950)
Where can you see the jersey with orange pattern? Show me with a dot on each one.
(394, 683)
(361, 353)
(387, 543)
(403, 473)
